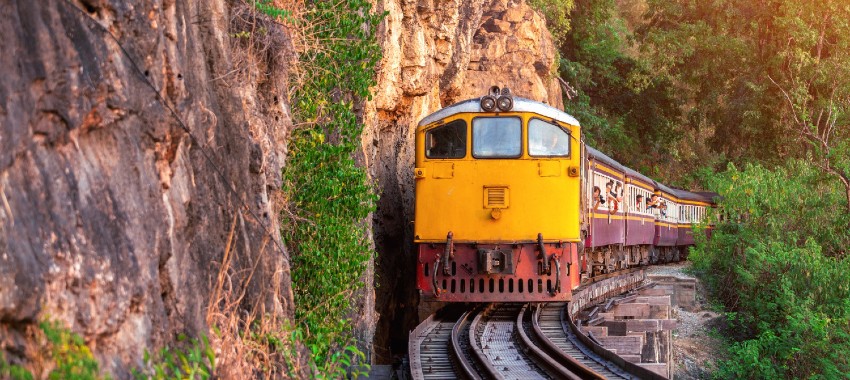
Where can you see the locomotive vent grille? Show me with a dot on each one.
(496, 197)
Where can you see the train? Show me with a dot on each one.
(511, 205)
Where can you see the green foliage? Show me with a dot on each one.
(557, 14)
(266, 6)
(690, 83)
(740, 64)
(69, 352)
(780, 267)
(329, 197)
(195, 361)
(624, 108)
(71, 358)
(13, 371)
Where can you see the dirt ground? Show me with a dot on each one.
(695, 347)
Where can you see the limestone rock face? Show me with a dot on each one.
(437, 52)
(127, 164)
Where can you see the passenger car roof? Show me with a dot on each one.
(631, 173)
(687, 195)
(665, 189)
(601, 157)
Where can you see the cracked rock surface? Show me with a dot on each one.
(113, 220)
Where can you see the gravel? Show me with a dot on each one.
(695, 347)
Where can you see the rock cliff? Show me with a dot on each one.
(135, 149)
(437, 52)
(141, 146)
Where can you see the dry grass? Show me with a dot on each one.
(265, 48)
(249, 340)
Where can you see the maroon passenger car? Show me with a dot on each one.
(640, 221)
(605, 181)
(665, 207)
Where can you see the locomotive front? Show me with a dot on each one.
(497, 201)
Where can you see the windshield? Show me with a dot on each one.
(496, 137)
(446, 141)
(546, 139)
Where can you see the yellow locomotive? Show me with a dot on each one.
(498, 200)
(512, 206)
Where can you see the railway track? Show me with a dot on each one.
(553, 330)
(504, 341)
(513, 341)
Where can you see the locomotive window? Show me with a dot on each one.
(494, 137)
(546, 139)
(447, 141)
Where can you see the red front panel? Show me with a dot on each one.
(467, 282)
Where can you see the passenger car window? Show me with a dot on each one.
(546, 139)
(494, 137)
(446, 141)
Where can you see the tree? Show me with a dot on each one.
(815, 83)
(625, 109)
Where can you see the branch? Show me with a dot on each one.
(568, 90)
(788, 98)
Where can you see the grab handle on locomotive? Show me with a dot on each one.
(542, 255)
(449, 253)
(557, 288)
(434, 278)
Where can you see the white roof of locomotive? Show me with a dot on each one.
(520, 105)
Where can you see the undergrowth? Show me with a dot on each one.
(778, 262)
(195, 360)
(62, 354)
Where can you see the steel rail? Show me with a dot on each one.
(429, 349)
(546, 362)
(559, 354)
(467, 369)
(484, 363)
(627, 366)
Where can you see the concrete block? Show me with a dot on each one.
(642, 325)
(597, 331)
(659, 368)
(641, 335)
(658, 312)
(656, 292)
(654, 300)
(625, 345)
(634, 310)
(616, 328)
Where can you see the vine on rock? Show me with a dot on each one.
(328, 196)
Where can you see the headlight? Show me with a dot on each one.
(488, 103)
(505, 103)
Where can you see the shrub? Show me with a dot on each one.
(195, 361)
(63, 352)
(778, 265)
